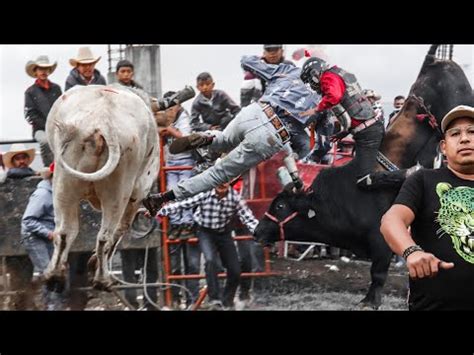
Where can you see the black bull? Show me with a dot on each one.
(338, 213)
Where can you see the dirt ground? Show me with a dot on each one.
(312, 285)
(309, 285)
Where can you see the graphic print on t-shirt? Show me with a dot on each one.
(456, 217)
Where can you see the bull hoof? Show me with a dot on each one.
(366, 305)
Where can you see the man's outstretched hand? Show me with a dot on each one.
(421, 264)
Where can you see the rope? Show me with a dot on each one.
(144, 284)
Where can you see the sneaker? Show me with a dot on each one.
(215, 305)
(193, 141)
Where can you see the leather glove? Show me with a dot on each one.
(153, 203)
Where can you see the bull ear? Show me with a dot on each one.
(311, 213)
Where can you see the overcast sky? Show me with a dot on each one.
(388, 69)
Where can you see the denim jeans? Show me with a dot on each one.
(40, 251)
(191, 258)
(134, 259)
(367, 144)
(213, 244)
(249, 138)
(251, 260)
(323, 131)
(299, 138)
(173, 178)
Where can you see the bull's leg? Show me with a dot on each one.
(117, 216)
(102, 272)
(380, 255)
(66, 208)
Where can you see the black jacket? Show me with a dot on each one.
(38, 102)
(74, 79)
(218, 112)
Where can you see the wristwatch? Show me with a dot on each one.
(410, 250)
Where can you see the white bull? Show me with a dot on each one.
(106, 150)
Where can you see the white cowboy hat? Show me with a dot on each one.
(15, 149)
(43, 62)
(84, 56)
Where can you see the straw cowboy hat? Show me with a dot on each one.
(371, 93)
(84, 56)
(43, 62)
(15, 149)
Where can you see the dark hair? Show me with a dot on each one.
(267, 47)
(204, 77)
(124, 63)
(168, 94)
(399, 97)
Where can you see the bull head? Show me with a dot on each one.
(289, 212)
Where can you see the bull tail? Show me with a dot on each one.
(100, 140)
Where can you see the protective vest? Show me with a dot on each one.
(356, 104)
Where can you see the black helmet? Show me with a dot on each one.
(312, 70)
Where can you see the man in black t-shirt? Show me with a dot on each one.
(439, 206)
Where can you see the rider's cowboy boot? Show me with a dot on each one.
(193, 141)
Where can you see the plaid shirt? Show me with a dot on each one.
(212, 212)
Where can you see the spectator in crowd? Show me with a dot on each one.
(39, 98)
(18, 160)
(124, 73)
(398, 103)
(84, 72)
(19, 267)
(437, 204)
(212, 108)
(213, 216)
(181, 224)
(37, 227)
(253, 87)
